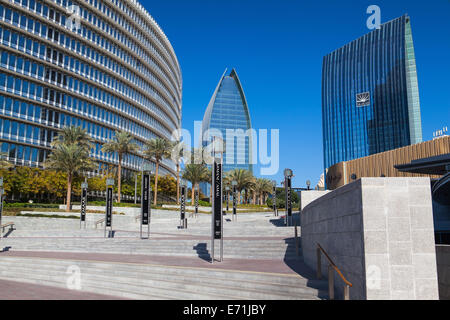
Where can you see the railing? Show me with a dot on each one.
(331, 268)
(101, 221)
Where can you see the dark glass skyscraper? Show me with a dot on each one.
(101, 65)
(370, 95)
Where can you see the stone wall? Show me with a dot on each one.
(443, 266)
(379, 232)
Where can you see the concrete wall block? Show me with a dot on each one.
(375, 242)
(401, 278)
(377, 267)
(397, 202)
(379, 290)
(374, 219)
(400, 253)
(399, 229)
(423, 241)
(425, 266)
(427, 289)
(421, 217)
(419, 196)
(373, 196)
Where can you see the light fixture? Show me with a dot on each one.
(288, 173)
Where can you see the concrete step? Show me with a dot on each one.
(160, 281)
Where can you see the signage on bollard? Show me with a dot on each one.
(217, 225)
(183, 207)
(109, 204)
(84, 191)
(274, 197)
(287, 185)
(145, 202)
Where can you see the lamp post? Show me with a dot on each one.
(234, 184)
(274, 198)
(287, 187)
(308, 184)
(84, 191)
(227, 189)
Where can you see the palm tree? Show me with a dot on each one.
(4, 164)
(74, 135)
(157, 150)
(244, 179)
(122, 143)
(195, 173)
(262, 187)
(71, 158)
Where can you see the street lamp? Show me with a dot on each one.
(227, 189)
(274, 197)
(234, 184)
(308, 184)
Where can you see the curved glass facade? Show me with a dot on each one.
(228, 110)
(102, 65)
(370, 95)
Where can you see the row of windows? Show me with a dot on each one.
(30, 89)
(20, 132)
(36, 27)
(20, 42)
(30, 68)
(114, 15)
(32, 112)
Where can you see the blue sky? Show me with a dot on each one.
(277, 47)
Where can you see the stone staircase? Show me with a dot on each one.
(143, 281)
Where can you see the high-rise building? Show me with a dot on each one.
(370, 95)
(228, 110)
(101, 65)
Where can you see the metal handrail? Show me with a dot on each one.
(332, 267)
(101, 221)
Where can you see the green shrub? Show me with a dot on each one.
(31, 205)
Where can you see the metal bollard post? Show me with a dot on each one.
(331, 282)
(346, 292)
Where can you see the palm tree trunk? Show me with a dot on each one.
(193, 194)
(156, 183)
(178, 183)
(239, 197)
(254, 197)
(69, 192)
(211, 194)
(119, 178)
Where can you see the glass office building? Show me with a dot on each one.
(101, 65)
(228, 109)
(370, 95)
